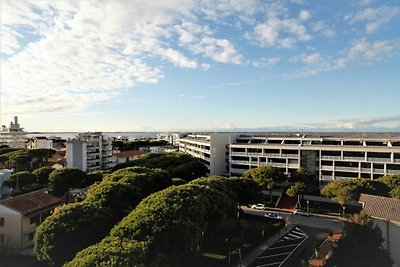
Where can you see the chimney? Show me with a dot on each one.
(15, 119)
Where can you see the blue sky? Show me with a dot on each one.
(201, 65)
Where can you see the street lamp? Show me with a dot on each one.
(308, 206)
(344, 211)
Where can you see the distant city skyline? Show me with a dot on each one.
(186, 65)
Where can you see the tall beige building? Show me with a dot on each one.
(13, 136)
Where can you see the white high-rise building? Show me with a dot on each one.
(13, 136)
(90, 152)
(329, 156)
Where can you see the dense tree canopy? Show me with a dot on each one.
(42, 174)
(63, 179)
(106, 204)
(177, 164)
(25, 159)
(393, 183)
(266, 176)
(297, 188)
(164, 229)
(350, 189)
(19, 180)
(361, 245)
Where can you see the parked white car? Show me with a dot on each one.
(301, 212)
(272, 216)
(258, 206)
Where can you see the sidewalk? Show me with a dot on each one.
(252, 256)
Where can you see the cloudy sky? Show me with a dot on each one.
(189, 64)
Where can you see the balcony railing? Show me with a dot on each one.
(380, 171)
(366, 170)
(330, 157)
(397, 160)
(275, 164)
(272, 154)
(238, 153)
(293, 166)
(393, 171)
(254, 153)
(342, 168)
(246, 162)
(327, 168)
(290, 155)
(380, 159)
(239, 171)
(326, 177)
(354, 158)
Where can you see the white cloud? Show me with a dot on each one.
(374, 17)
(265, 62)
(324, 29)
(281, 32)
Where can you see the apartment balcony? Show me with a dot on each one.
(254, 153)
(343, 177)
(278, 165)
(326, 168)
(237, 171)
(397, 160)
(245, 162)
(341, 168)
(380, 159)
(393, 171)
(331, 157)
(290, 156)
(293, 166)
(326, 177)
(234, 153)
(354, 158)
(379, 171)
(93, 154)
(366, 170)
(271, 155)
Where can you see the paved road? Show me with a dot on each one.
(312, 221)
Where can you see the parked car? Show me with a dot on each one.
(301, 212)
(272, 216)
(258, 206)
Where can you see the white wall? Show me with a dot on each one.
(12, 228)
(391, 234)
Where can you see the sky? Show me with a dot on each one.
(210, 65)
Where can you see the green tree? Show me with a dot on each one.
(393, 183)
(361, 245)
(190, 171)
(42, 175)
(19, 180)
(350, 189)
(302, 175)
(92, 177)
(298, 188)
(266, 176)
(63, 179)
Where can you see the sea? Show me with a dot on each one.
(70, 135)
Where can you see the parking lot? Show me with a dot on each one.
(281, 250)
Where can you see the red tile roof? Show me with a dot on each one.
(381, 207)
(31, 202)
(130, 153)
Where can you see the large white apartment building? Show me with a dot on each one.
(13, 136)
(330, 156)
(211, 149)
(90, 152)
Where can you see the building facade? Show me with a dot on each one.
(38, 142)
(90, 152)
(330, 157)
(211, 149)
(20, 216)
(13, 136)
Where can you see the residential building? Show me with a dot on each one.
(13, 136)
(90, 152)
(21, 215)
(38, 142)
(329, 156)
(125, 156)
(385, 212)
(211, 149)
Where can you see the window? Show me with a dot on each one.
(2, 221)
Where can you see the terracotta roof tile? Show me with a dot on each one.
(31, 202)
(130, 153)
(381, 207)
